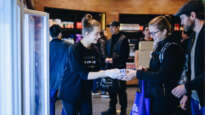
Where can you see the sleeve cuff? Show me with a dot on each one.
(139, 75)
(84, 75)
(188, 87)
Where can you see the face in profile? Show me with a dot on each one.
(94, 35)
(187, 23)
(156, 34)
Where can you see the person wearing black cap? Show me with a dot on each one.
(117, 50)
(192, 18)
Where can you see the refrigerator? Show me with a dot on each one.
(35, 62)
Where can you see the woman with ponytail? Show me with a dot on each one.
(82, 66)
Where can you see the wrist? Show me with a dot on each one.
(138, 74)
(187, 87)
(103, 74)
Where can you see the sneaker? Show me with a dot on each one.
(95, 94)
(123, 112)
(105, 96)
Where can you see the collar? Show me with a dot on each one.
(166, 40)
(202, 28)
(116, 35)
(80, 45)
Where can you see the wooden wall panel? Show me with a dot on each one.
(113, 8)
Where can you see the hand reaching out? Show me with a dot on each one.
(114, 73)
(142, 68)
(108, 60)
(130, 74)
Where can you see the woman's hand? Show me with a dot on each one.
(114, 73)
(179, 91)
(142, 68)
(130, 74)
(108, 60)
(183, 102)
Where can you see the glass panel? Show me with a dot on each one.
(36, 66)
(16, 65)
(10, 87)
(5, 58)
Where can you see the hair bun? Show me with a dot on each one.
(88, 16)
(86, 20)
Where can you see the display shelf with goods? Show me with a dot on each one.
(70, 20)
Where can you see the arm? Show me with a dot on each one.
(199, 81)
(136, 59)
(96, 75)
(77, 67)
(183, 89)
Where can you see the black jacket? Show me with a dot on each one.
(117, 48)
(164, 74)
(171, 67)
(58, 56)
(198, 83)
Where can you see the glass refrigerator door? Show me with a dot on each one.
(35, 54)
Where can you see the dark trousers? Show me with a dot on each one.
(81, 108)
(118, 88)
(53, 99)
(165, 104)
(160, 104)
(157, 108)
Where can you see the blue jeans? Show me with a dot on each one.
(94, 85)
(195, 108)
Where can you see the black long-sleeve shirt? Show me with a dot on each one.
(75, 85)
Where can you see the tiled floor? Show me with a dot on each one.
(101, 104)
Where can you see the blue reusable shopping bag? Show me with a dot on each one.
(141, 104)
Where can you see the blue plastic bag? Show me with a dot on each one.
(141, 104)
(196, 109)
